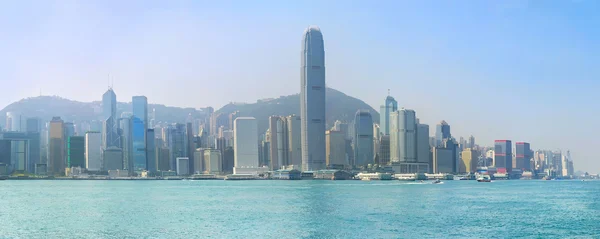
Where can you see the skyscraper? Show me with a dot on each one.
(363, 139)
(336, 149)
(403, 138)
(189, 142)
(76, 152)
(442, 132)
(140, 126)
(389, 106)
(151, 151)
(404, 143)
(503, 154)
(110, 136)
(93, 151)
(523, 156)
(294, 140)
(127, 142)
(279, 142)
(312, 100)
(423, 148)
(471, 143)
(56, 157)
(245, 137)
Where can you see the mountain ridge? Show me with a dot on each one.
(339, 106)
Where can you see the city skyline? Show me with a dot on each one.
(467, 116)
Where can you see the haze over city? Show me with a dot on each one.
(515, 70)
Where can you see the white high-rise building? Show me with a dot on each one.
(403, 136)
(312, 100)
(245, 142)
(93, 151)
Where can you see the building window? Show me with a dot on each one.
(316, 67)
(316, 88)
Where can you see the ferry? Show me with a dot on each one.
(484, 179)
(241, 177)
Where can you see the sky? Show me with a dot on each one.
(518, 70)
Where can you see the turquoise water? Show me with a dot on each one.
(299, 209)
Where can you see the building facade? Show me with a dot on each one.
(56, 156)
(245, 137)
(363, 139)
(312, 100)
(503, 154)
(390, 105)
(93, 151)
(336, 149)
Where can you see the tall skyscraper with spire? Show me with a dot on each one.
(110, 135)
(312, 100)
(391, 105)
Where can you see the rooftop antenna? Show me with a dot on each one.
(388, 92)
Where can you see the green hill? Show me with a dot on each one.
(339, 107)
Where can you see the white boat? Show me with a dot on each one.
(484, 178)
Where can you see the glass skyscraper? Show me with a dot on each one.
(140, 126)
(503, 154)
(312, 100)
(442, 132)
(384, 121)
(363, 138)
(110, 136)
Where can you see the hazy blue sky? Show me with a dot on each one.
(520, 70)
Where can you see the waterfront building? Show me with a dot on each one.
(93, 151)
(41, 169)
(212, 161)
(335, 149)
(444, 160)
(363, 139)
(468, 160)
(404, 144)
(164, 155)
(228, 160)
(199, 158)
(390, 105)
(76, 151)
(56, 156)
(245, 137)
(113, 159)
(312, 100)
(278, 138)
(523, 156)
(20, 150)
(503, 158)
(140, 127)
(151, 164)
(183, 165)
